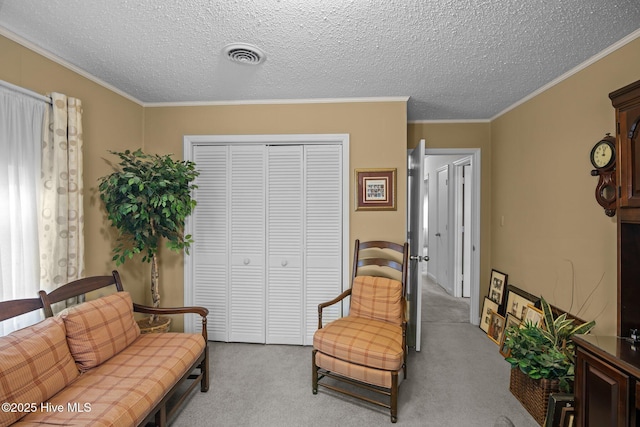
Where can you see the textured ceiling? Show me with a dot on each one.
(455, 59)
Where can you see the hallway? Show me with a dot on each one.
(440, 307)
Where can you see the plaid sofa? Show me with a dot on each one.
(89, 365)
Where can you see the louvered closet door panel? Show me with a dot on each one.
(210, 225)
(284, 246)
(247, 244)
(323, 233)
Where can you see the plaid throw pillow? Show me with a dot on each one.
(35, 365)
(99, 329)
(377, 298)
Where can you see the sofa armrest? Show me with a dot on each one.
(139, 308)
(202, 311)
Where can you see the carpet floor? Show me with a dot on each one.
(457, 379)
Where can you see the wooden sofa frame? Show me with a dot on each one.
(198, 372)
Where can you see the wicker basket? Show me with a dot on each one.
(163, 324)
(533, 394)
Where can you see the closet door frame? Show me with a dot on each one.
(190, 141)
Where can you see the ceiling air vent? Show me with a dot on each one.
(244, 53)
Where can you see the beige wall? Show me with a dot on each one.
(465, 135)
(556, 240)
(110, 122)
(377, 139)
(377, 133)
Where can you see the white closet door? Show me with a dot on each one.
(284, 245)
(323, 233)
(268, 239)
(247, 244)
(210, 249)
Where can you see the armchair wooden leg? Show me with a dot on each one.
(404, 366)
(314, 373)
(204, 384)
(394, 397)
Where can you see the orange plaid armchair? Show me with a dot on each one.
(367, 348)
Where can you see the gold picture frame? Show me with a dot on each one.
(533, 315)
(496, 327)
(375, 189)
(488, 307)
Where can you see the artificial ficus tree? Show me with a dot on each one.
(148, 198)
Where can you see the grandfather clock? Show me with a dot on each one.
(607, 380)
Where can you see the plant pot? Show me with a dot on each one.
(533, 394)
(162, 324)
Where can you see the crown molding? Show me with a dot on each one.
(431, 122)
(595, 58)
(277, 101)
(26, 43)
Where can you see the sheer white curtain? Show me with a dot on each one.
(61, 206)
(21, 130)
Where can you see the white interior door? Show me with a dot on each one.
(468, 225)
(285, 233)
(415, 185)
(442, 230)
(247, 244)
(323, 231)
(463, 185)
(209, 252)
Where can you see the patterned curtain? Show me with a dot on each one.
(62, 215)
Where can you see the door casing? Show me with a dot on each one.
(475, 155)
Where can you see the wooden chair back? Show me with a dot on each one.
(377, 293)
(14, 308)
(401, 252)
(77, 288)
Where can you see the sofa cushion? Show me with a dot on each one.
(365, 374)
(99, 329)
(378, 298)
(123, 390)
(35, 365)
(362, 341)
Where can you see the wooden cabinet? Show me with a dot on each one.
(607, 381)
(626, 101)
(603, 389)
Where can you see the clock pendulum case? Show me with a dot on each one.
(603, 158)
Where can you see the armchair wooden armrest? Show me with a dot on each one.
(337, 299)
(202, 311)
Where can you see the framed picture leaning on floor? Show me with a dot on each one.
(497, 286)
(517, 301)
(496, 327)
(488, 307)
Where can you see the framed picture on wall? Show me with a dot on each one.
(497, 286)
(375, 189)
(488, 307)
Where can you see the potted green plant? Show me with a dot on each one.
(542, 358)
(148, 198)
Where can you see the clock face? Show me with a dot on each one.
(602, 154)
